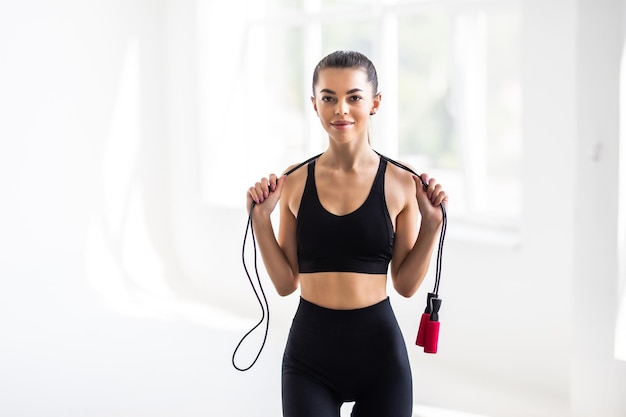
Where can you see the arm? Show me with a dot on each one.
(414, 246)
(279, 255)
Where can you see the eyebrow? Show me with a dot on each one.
(354, 90)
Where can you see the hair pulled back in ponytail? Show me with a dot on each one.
(347, 59)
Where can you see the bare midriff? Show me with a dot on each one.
(343, 290)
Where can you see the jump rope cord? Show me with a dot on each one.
(444, 223)
(265, 310)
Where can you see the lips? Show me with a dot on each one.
(342, 123)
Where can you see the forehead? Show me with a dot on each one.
(341, 80)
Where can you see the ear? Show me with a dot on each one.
(376, 104)
(314, 104)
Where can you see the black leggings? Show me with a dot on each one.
(337, 356)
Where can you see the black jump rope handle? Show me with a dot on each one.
(428, 333)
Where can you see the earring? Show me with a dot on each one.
(373, 112)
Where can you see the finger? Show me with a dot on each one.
(272, 182)
(280, 182)
(439, 197)
(254, 195)
(433, 188)
(261, 190)
(419, 183)
(442, 198)
(266, 187)
(438, 194)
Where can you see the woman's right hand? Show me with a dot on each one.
(265, 194)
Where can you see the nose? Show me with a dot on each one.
(341, 108)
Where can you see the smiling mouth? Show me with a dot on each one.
(342, 123)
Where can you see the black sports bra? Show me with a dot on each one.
(360, 241)
(433, 301)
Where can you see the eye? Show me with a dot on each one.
(356, 98)
(328, 99)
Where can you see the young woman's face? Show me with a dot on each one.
(344, 101)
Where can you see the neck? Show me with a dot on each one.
(347, 157)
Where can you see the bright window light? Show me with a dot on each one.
(450, 77)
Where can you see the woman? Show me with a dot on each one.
(344, 221)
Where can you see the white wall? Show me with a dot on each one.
(595, 374)
(66, 349)
(102, 212)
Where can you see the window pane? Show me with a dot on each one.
(282, 5)
(460, 107)
(270, 110)
(348, 35)
(284, 70)
(283, 101)
(333, 3)
(504, 96)
(504, 111)
(426, 126)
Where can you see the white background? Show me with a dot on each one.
(122, 293)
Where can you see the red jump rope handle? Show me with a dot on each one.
(421, 332)
(428, 333)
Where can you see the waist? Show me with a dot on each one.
(343, 290)
(323, 320)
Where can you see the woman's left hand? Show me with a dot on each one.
(429, 200)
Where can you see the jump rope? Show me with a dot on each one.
(428, 332)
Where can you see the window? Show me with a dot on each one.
(450, 77)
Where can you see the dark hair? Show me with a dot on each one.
(347, 59)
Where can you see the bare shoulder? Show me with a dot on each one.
(400, 176)
(399, 187)
(294, 186)
(296, 176)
